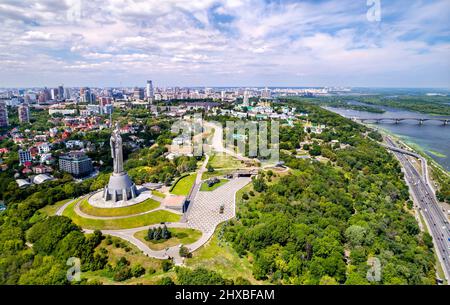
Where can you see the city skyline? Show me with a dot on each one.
(225, 44)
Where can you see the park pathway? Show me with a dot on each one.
(203, 213)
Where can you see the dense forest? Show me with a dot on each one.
(436, 105)
(321, 223)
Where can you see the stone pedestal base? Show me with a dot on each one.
(98, 201)
(120, 188)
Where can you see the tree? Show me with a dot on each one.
(198, 276)
(165, 281)
(137, 270)
(157, 235)
(150, 234)
(259, 185)
(355, 235)
(45, 235)
(45, 270)
(316, 150)
(166, 265)
(122, 270)
(210, 168)
(165, 234)
(122, 274)
(327, 280)
(184, 252)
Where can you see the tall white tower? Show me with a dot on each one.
(245, 102)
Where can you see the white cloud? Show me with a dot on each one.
(257, 42)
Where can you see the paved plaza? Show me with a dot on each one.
(204, 212)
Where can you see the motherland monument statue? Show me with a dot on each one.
(116, 150)
(120, 186)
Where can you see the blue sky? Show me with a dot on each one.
(224, 43)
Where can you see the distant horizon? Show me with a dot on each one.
(236, 86)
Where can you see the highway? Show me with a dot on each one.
(436, 220)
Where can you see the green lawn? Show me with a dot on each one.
(122, 223)
(206, 188)
(224, 161)
(240, 203)
(184, 185)
(179, 236)
(159, 194)
(223, 259)
(217, 173)
(50, 210)
(144, 206)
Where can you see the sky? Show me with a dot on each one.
(358, 43)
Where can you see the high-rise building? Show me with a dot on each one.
(24, 113)
(24, 156)
(60, 92)
(54, 93)
(108, 109)
(86, 96)
(76, 163)
(138, 93)
(67, 93)
(103, 102)
(149, 90)
(246, 101)
(266, 93)
(3, 115)
(44, 96)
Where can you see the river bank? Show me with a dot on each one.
(431, 139)
(412, 145)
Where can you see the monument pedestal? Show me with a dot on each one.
(120, 188)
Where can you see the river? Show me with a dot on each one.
(432, 137)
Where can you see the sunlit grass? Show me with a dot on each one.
(144, 206)
(179, 236)
(122, 223)
(184, 185)
(206, 188)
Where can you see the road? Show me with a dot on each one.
(422, 191)
(217, 142)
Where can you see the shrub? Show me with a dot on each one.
(137, 270)
(165, 281)
(166, 265)
(184, 252)
(122, 274)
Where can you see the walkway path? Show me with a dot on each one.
(203, 213)
(160, 208)
(204, 216)
(195, 188)
(60, 211)
(217, 142)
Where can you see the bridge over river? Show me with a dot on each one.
(421, 121)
